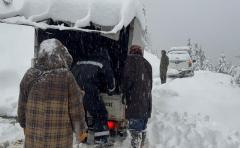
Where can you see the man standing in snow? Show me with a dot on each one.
(164, 67)
(50, 104)
(90, 73)
(137, 87)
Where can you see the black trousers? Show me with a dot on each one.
(96, 107)
(163, 78)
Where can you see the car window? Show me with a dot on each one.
(179, 55)
(177, 52)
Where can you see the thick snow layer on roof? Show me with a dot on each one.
(117, 13)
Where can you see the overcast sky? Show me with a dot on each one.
(215, 24)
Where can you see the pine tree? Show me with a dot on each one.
(207, 65)
(223, 66)
(198, 54)
(235, 72)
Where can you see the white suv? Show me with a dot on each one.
(180, 63)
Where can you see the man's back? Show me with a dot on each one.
(138, 85)
(87, 74)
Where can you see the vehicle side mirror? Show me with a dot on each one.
(194, 61)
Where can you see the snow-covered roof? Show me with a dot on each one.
(113, 13)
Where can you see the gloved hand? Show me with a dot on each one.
(82, 137)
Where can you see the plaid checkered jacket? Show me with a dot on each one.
(49, 105)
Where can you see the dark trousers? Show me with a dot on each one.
(96, 108)
(137, 129)
(163, 78)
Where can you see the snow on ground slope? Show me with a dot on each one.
(16, 51)
(206, 93)
(194, 112)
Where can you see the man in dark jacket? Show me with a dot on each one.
(90, 74)
(137, 87)
(164, 67)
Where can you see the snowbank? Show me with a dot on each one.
(206, 93)
(15, 59)
(154, 61)
(175, 130)
(9, 131)
(105, 13)
(195, 112)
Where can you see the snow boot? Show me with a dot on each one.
(136, 139)
(143, 142)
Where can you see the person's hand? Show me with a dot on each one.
(82, 136)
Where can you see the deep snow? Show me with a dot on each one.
(15, 58)
(195, 112)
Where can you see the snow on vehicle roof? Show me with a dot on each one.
(177, 52)
(181, 48)
(80, 13)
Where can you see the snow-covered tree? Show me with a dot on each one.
(223, 66)
(199, 56)
(207, 65)
(235, 72)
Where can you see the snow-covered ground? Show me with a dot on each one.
(195, 112)
(16, 51)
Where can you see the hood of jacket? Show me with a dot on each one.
(53, 55)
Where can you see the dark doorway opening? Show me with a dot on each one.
(81, 44)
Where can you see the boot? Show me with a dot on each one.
(136, 139)
(143, 139)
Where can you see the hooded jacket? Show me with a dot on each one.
(50, 101)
